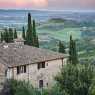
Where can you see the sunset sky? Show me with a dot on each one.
(49, 4)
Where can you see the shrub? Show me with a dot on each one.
(76, 79)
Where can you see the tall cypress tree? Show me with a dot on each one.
(61, 48)
(15, 34)
(75, 57)
(70, 49)
(11, 35)
(29, 33)
(6, 35)
(72, 52)
(37, 42)
(23, 33)
(35, 37)
(2, 36)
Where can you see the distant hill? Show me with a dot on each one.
(56, 20)
(56, 24)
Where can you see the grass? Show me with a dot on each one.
(87, 55)
(64, 34)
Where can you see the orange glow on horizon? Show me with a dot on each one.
(20, 2)
(34, 3)
(40, 3)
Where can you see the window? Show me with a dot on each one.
(21, 69)
(41, 65)
(5, 72)
(41, 84)
(18, 70)
(24, 69)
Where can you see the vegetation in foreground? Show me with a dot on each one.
(73, 79)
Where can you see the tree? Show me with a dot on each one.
(35, 37)
(15, 34)
(6, 35)
(72, 52)
(76, 79)
(31, 36)
(2, 36)
(23, 33)
(75, 57)
(37, 42)
(29, 33)
(15, 87)
(11, 35)
(61, 47)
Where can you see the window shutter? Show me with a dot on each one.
(18, 70)
(24, 69)
(38, 65)
(43, 65)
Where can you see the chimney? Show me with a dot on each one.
(19, 42)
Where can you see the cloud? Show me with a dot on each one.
(55, 4)
(24, 3)
(84, 4)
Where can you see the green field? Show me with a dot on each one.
(62, 35)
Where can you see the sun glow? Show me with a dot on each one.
(20, 2)
(40, 3)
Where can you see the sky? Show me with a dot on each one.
(49, 4)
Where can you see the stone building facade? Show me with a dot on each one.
(34, 65)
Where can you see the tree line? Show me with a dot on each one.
(8, 35)
(73, 58)
(30, 36)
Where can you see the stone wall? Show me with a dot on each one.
(33, 74)
(2, 75)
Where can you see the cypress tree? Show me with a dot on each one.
(70, 49)
(6, 35)
(23, 33)
(37, 42)
(72, 52)
(2, 36)
(29, 33)
(15, 34)
(11, 35)
(35, 37)
(75, 58)
(61, 47)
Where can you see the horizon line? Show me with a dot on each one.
(71, 10)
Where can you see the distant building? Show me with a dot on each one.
(34, 65)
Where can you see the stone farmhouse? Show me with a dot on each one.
(34, 65)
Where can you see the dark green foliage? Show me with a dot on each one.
(23, 33)
(19, 88)
(7, 35)
(35, 37)
(61, 47)
(15, 34)
(31, 36)
(2, 37)
(11, 35)
(24, 88)
(76, 79)
(72, 52)
(29, 33)
(37, 42)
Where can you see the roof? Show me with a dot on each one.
(15, 55)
